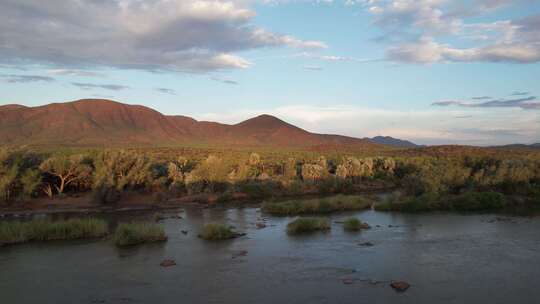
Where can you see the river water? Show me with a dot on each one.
(447, 258)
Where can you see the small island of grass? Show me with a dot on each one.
(465, 202)
(128, 234)
(354, 224)
(318, 206)
(46, 230)
(308, 224)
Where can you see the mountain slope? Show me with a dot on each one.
(97, 122)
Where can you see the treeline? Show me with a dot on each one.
(107, 174)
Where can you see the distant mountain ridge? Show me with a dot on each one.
(394, 142)
(100, 122)
(519, 146)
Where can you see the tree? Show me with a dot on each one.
(30, 181)
(8, 176)
(67, 169)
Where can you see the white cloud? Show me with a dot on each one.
(179, 35)
(415, 28)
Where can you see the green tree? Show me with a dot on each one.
(67, 169)
(30, 181)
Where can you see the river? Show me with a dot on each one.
(447, 258)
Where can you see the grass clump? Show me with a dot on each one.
(305, 225)
(466, 202)
(216, 232)
(46, 230)
(317, 206)
(478, 201)
(354, 224)
(128, 234)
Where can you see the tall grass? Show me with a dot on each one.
(465, 202)
(306, 224)
(128, 234)
(215, 232)
(318, 206)
(46, 230)
(354, 224)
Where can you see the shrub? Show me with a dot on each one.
(354, 224)
(127, 234)
(317, 206)
(215, 232)
(259, 189)
(422, 203)
(305, 225)
(478, 201)
(45, 230)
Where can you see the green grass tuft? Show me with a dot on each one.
(306, 224)
(317, 206)
(216, 232)
(465, 202)
(354, 224)
(127, 234)
(46, 230)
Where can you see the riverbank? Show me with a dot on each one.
(140, 201)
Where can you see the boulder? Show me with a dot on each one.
(400, 286)
(167, 263)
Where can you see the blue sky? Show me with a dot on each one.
(431, 71)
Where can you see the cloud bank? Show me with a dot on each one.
(415, 30)
(178, 35)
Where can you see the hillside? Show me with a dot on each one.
(98, 122)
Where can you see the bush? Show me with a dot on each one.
(45, 230)
(470, 201)
(354, 224)
(215, 232)
(478, 201)
(422, 203)
(317, 206)
(259, 189)
(305, 225)
(106, 195)
(127, 234)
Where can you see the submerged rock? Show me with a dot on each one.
(167, 263)
(260, 225)
(366, 244)
(400, 286)
(241, 253)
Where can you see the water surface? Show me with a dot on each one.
(447, 258)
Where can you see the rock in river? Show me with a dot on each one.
(167, 263)
(400, 286)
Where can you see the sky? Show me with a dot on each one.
(429, 71)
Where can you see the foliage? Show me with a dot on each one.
(174, 172)
(305, 225)
(128, 234)
(215, 232)
(317, 206)
(67, 169)
(478, 201)
(45, 230)
(354, 224)
(468, 201)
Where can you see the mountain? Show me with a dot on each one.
(99, 122)
(394, 142)
(535, 146)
